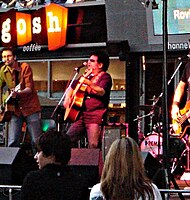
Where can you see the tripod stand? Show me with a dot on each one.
(186, 174)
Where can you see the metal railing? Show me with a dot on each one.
(10, 188)
(169, 191)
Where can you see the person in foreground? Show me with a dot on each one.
(54, 180)
(95, 102)
(123, 176)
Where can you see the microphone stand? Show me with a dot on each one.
(157, 99)
(58, 124)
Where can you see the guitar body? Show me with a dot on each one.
(180, 127)
(6, 114)
(72, 111)
(77, 98)
(8, 105)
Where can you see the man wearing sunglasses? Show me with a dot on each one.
(95, 84)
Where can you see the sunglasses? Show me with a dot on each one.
(92, 60)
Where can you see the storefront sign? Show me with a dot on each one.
(46, 26)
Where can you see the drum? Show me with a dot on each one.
(152, 144)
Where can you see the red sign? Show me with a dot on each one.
(46, 26)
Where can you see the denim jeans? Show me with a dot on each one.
(15, 129)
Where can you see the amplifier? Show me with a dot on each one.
(111, 133)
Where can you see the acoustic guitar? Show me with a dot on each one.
(77, 98)
(8, 104)
(180, 127)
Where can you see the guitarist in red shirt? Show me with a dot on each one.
(89, 110)
(180, 118)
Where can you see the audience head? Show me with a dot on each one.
(124, 172)
(53, 147)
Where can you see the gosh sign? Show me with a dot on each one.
(46, 26)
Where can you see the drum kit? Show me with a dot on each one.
(153, 141)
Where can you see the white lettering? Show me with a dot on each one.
(6, 26)
(21, 26)
(54, 23)
(181, 14)
(32, 47)
(37, 27)
(177, 46)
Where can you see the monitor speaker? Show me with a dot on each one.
(111, 133)
(14, 165)
(154, 169)
(85, 162)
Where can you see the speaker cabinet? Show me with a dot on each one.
(14, 165)
(85, 162)
(7, 161)
(111, 133)
(154, 169)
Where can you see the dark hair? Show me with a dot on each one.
(9, 49)
(55, 143)
(103, 58)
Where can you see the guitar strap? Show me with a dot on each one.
(96, 78)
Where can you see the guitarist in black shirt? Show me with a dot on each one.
(180, 117)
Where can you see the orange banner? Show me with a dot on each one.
(24, 28)
(56, 20)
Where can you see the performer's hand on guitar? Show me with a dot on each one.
(15, 91)
(68, 97)
(175, 113)
(87, 82)
(13, 94)
(84, 80)
(67, 102)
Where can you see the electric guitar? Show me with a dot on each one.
(180, 127)
(8, 104)
(72, 111)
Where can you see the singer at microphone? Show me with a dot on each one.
(88, 97)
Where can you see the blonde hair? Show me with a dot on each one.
(123, 176)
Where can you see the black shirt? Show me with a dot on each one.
(54, 182)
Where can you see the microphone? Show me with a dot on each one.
(2, 62)
(84, 64)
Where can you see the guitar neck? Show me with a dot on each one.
(10, 97)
